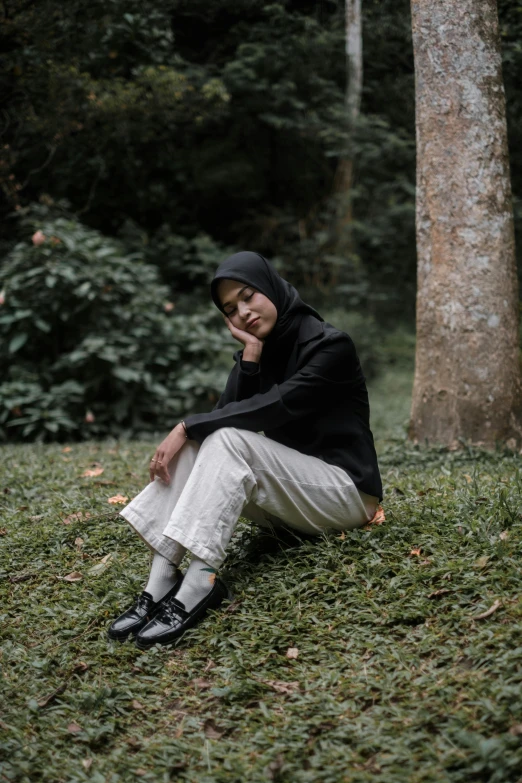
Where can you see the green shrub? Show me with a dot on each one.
(90, 343)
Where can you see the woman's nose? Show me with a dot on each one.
(243, 310)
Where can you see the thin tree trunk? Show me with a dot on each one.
(467, 374)
(343, 179)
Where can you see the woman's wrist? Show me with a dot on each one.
(252, 352)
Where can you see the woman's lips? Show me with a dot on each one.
(253, 323)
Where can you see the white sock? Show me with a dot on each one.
(162, 577)
(197, 583)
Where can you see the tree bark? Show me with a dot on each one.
(467, 383)
(354, 75)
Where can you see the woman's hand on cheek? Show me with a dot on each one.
(242, 336)
(165, 452)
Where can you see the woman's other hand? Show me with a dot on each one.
(253, 346)
(165, 452)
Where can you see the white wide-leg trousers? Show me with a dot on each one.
(240, 473)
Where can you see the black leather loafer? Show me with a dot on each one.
(140, 613)
(173, 619)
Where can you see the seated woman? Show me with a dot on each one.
(297, 380)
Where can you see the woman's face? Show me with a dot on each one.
(248, 309)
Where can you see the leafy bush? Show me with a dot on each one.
(90, 343)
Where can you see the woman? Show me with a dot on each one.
(298, 380)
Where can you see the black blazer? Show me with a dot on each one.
(320, 408)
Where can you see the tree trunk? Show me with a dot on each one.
(342, 186)
(467, 383)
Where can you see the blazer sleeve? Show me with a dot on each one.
(324, 377)
(243, 382)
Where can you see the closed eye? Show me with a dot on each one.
(246, 298)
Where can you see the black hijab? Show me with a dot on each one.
(253, 269)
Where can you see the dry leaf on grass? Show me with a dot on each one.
(80, 516)
(504, 535)
(66, 449)
(292, 652)
(15, 578)
(73, 728)
(92, 472)
(137, 705)
(212, 730)
(439, 593)
(74, 576)
(274, 768)
(493, 608)
(48, 699)
(201, 684)
(516, 730)
(117, 499)
(415, 551)
(78, 542)
(282, 687)
(3, 531)
(102, 566)
(379, 517)
(87, 764)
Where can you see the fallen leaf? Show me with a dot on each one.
(504, 535)
(92, 472)
(516, 730)
(3, 531)
(342, 536)
(19, 578)
(378, 518)
(74, 576)
(137, 705)
(66, 449)
(78, 543)
(73, 728)
(438, 593)
(48, 699)
(78, 517)
(210, 665)
(117, 499)
(416, 551)
(482, 561)
(274, 768)
(292, 652)
(102, 566)
(282, 687)
(212, 731)
(493, 608)
(201, 684)
(36, 518)
(87, 764)
(140, 772)
(81, 666)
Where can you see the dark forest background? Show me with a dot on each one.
(146, 141)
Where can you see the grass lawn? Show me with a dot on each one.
(408, 635)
